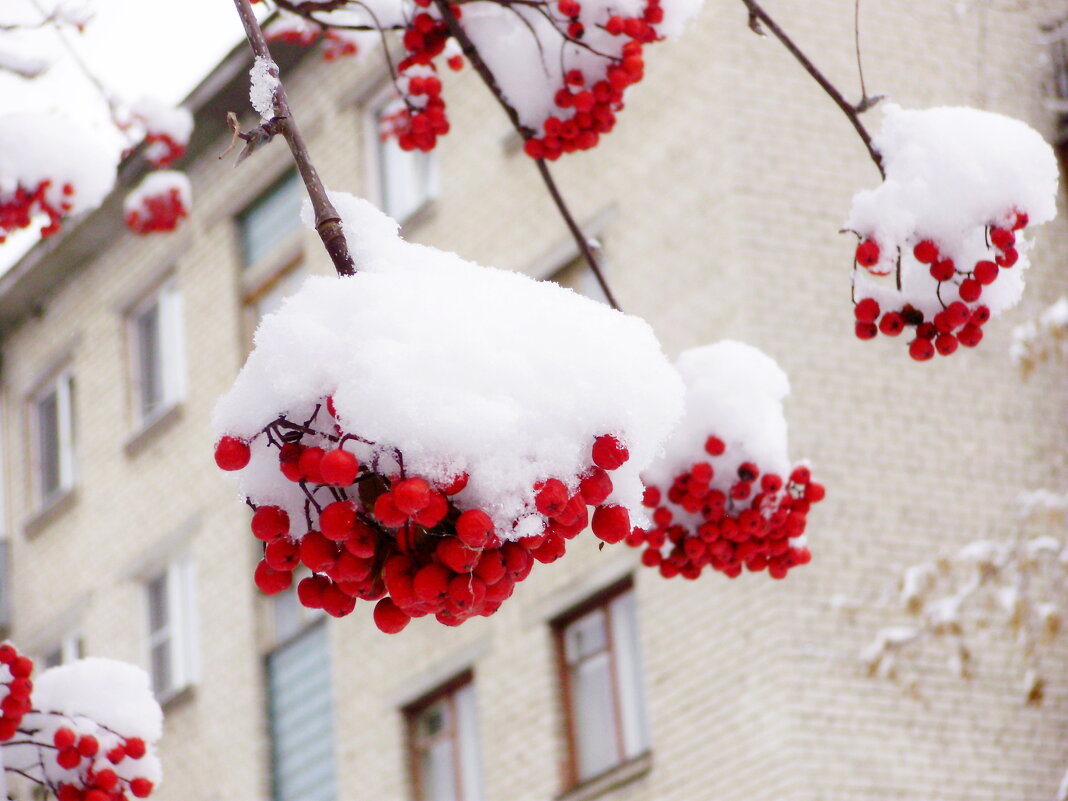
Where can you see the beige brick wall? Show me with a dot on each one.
(724, 184)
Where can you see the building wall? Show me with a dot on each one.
(717, 200)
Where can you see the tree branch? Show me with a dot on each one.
(471, 51)
(758, 16)
(327, 220)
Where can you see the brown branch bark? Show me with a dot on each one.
(758, 15)
(471, 51)
(327, 220)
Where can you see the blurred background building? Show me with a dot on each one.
(716, 202)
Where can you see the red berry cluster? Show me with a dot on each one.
(18, 208)
(302, 35)
(399, 539)
(423, 119)
(338, 46)
(97, 781)
(959, 322)
(15, 702)
(749, 525)
(162, 150)
(588, 103)
(157, 213)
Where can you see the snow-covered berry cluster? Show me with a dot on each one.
(20, 207)
(587, 102)
(440, 494)
(88, 731)
(749, 523)
(15, 689)
(958, 289)
(379, 533)
(166, 129)
(160, 202)
(942, 246)
(727, 499)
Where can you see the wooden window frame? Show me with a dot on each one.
(599, 600)
(412, 713)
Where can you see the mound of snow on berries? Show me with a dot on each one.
(50, 164)
(459, 367)
(115, 694)
(954, 176)
(735, 392)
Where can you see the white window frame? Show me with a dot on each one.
(617, 610)
(287, 180)
(69, 648)
(62, 386)
(169, 353)
(178, 629)
(379, 152)
(459, 702)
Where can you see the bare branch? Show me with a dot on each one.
(327, 220)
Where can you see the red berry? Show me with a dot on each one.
(269, 523)
(926, 252)
(921, 349)
(456, 485)
(317, 552)
(431, 583)
(21, 668)
(1002, 238)
(596, 486)
(609, 453)
(474, 528)
(943, 270)
(232, 453)
(337, 520)
(310, 464)
(339, 468)
(389, 618)
(490, 567)
(310, 591)
(140, 787)
(1007, 258)
(611, 523)
(865, 330)
(866, 310)
(271, 581)
(88, 745)
(411, 495)
(971, 335)
(282, 554)
(68, 758)
(552, 497)
(456, 556)
(116, 755)
(387, 512)
(434, 512)
(970, 290)
(64, 738)
(892, 324)
(986, 272)
(945, 344)
(867, 254)
(714, 446)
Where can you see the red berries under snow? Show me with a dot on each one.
(403, 540)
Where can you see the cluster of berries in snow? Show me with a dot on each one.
(16, 687)
(942, 241)
(79, 756)
(401, 540)
(729, 499)
(960, 322)
(411, 456)
(296, 30)
(166, 130)
(160, 202)
(19, 207)
(587, 102)
(749, 523)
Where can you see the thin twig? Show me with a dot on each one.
(327, 220)
(756, 13)
(471, 51)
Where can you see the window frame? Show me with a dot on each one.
(69, 648)
(179, 628)
(601, 600)
(60, 384)
(288, 177)
(413, 713)
(166, 298)
(375, 163)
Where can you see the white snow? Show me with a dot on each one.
(950, 172)
(735, 392)
(461, 367)
(159, 117)
(263, 84)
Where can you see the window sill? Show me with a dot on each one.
(611, 779)
(152, 426)
(52, 509)
(177, 698)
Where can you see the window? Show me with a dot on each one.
(270, 297)
(443, 744)
(602, 682)
(53, 439)
(407, 179)
(157, 353)
(271, 218)
(69, 649)
(171, 628)
(301, 709)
